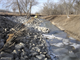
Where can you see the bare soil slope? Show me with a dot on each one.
(70, 25)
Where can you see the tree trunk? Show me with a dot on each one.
(18, 7)
(29, 12)
(30, 7)
(26, 5)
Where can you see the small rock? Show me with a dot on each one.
(48, 56)
(44, 52)
(39, 57)
(37, 49)
(14, 52)
(42, 55)
(1, 43)
(45, 58)
(19, 46)
(34, 53)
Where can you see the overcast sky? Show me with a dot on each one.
(35, 8)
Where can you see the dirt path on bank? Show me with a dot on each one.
(70, 25)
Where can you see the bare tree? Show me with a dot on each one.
(59, 9)
(26, 6)
(67, 4)
(77, 7)
(63, 7)
(12, 4)
(47, 8)
(23, 6)
(78, 2)
(51, 8)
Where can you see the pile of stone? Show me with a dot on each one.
(31, 46)
(5, 26)
(18, 19)
(23, 43)
(36, 24)
(31, 23)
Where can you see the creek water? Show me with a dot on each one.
(63, 47)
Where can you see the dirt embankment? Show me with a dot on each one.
(70, 25)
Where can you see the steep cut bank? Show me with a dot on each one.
(70, 25)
